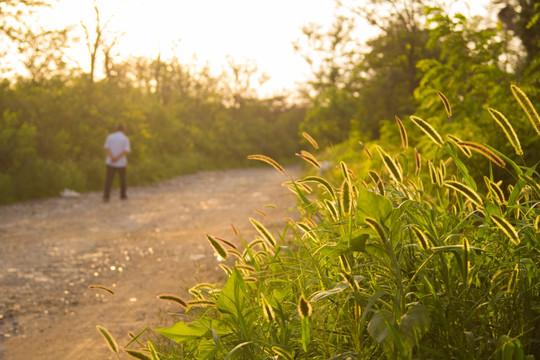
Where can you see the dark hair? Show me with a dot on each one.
(120, 127)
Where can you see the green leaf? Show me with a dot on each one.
(182, 332)
(414, 325)
(318, 295)
(233, 295)
(358, 243)
(370, 204)
(234, 303)
(137, 354)
(207, 349)
(378, 326)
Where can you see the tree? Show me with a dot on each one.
(96, 40)
(12, 13)
(43, 53)
(356, 87)
(521, 17)
(473, 74)
(331, 55)
(239, 80)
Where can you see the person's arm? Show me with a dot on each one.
(117, 157)
(113, 158)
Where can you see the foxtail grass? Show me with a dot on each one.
(465, 191)
(446, 103)
(100, 287)
(506, 228)
(485, 151)
(508, 130)
(527, 106)
(310, 158)
(428, 130)
(310, 140)
(402, 134)
(113, 346)
(268, 160)
(173, 298)
(391, 165)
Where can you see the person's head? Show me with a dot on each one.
(121, 127)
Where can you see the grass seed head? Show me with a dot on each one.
(305, 309)
(137, 354)
(428, 130)
(390, 164)
(465, 191)
(173, 298)
(268, 311)
(454, 139)
(402, 134)
(527, 107)
(417, 161)
(100, 287)
(374, 224)
(446, 103)
(267, 160)
(422, 238)
(220, 250)
(264, 232)
(366, 150)
(506, 228)
(508, 130)
(310, 140)
(108, 338)
(346, 199)
(485, 151)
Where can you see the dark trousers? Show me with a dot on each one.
(111, 170)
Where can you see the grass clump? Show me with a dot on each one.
(405, 262)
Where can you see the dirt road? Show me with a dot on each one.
(52, 250)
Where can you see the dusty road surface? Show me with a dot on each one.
(52, 250)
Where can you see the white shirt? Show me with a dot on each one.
(116, 143)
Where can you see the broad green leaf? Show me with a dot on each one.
(378, 326)
(207, 349)
(282, 292)
(182, 332)
(233, 295)
(358, 243)
(414, 324)
(370, 204)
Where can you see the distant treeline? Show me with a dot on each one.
(452, 71)
(52, 132)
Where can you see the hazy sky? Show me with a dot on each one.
(260, 30)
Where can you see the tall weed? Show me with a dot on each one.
(412, 260)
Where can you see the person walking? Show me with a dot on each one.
(117, 147)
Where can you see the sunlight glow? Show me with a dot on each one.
(203, 31)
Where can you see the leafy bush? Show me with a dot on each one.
(412, 261)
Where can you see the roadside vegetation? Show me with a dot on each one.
(412, 261)
(421, 239)
(417, 232)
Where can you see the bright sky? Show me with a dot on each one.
(258, 30)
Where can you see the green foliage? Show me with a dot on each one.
(358, 86)
(52, 133)
(423, 264)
